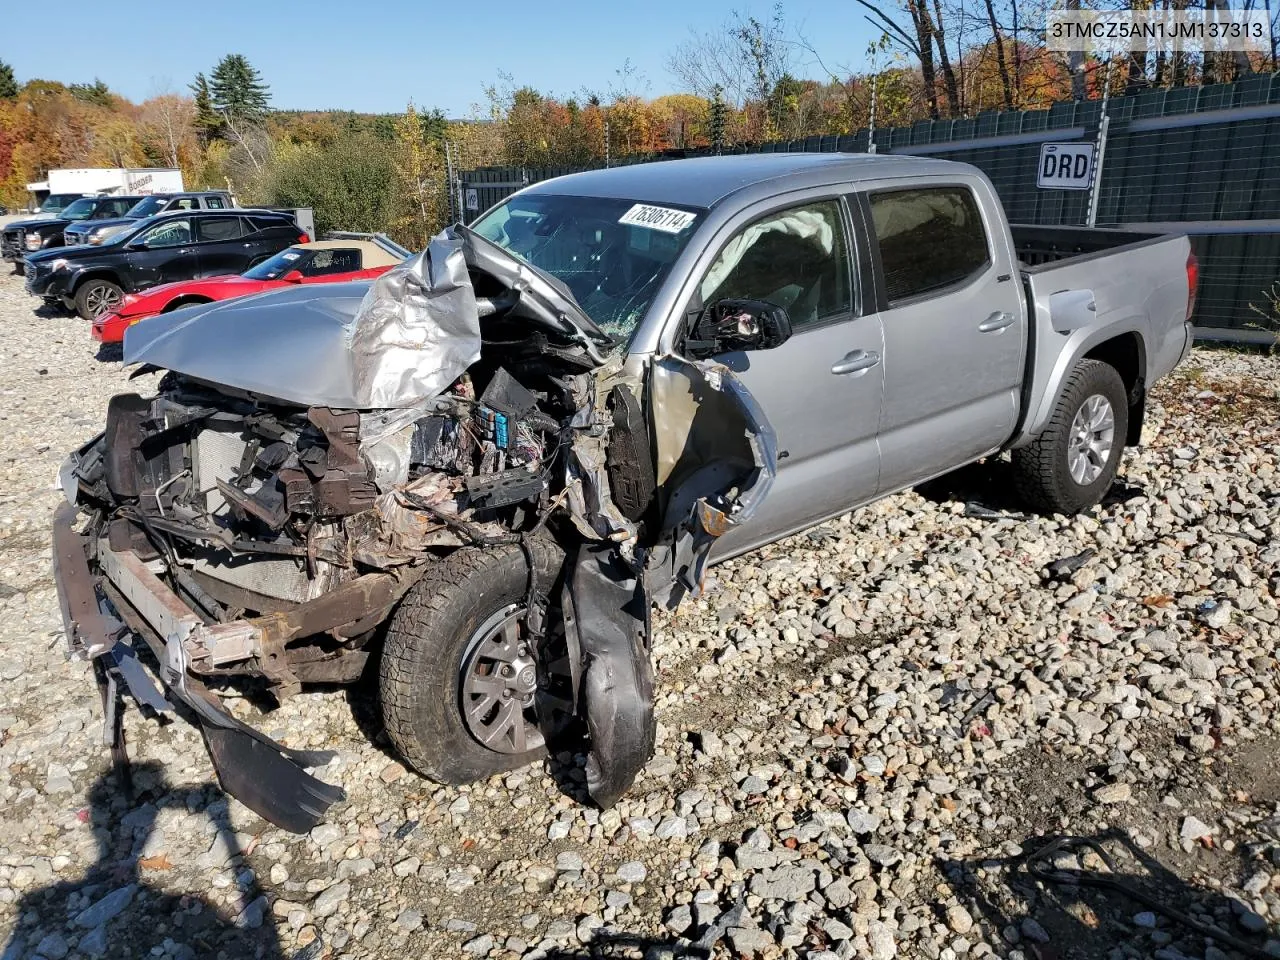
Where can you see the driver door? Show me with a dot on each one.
(820, 390)
(163, 254)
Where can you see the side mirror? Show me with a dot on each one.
(293, 276)
(138, 244)
(729, 325)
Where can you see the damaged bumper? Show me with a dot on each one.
(268, 777)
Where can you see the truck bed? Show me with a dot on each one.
(1086, 286)
(1037, 246)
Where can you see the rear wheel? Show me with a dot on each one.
(95, 297)
(1070, 466)
(465, 690)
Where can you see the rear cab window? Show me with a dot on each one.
(213, 203)
(929, 239)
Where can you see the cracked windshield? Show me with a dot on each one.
(611, 254)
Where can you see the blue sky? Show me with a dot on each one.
(375, 56)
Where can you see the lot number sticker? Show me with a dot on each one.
(1065, 166)
(657, 218)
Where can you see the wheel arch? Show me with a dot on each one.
(95, 273)
(1123, 349)
(186, 300)
(1127, 355)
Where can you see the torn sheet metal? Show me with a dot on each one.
(717, 460)
(417, 330)
(608, 621)
(353, 346)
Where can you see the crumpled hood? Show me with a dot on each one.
(286, 344)
(402, 339)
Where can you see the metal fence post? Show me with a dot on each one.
(448, 182)
(1104, 124)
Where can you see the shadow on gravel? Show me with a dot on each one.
(987, 489)
(110, 353)
(988, 483)
(1079, 897)
(114, 912)
(607, 946)
(50, 311)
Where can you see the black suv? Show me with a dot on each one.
(160, 249)
(30, 236)
(95, 231)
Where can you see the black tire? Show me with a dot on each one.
(1042, 469)
(420, 674)
(96, 296)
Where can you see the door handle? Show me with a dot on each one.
(997, 321)
(856, 361)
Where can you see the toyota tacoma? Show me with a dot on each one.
(474, 476)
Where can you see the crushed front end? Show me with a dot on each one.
(266, 511)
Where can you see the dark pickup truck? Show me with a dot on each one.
(182, 245)
(94, 232)
(31, 236)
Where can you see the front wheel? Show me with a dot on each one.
(96, 297)
(465, 690)
(1070, 466)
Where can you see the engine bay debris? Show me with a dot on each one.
(261, 518)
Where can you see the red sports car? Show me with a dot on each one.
(323, 261)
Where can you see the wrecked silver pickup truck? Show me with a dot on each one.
(477, 475)
(458, 467)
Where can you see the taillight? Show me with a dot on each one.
(303, 238)
(1193, 281)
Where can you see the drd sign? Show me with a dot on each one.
(1065, 166)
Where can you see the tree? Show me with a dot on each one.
(96, 93)
(349, 183)
(207, 120)
(237, 89)
(419, 192)
(717, 119)
(167, 125)
(8, 84)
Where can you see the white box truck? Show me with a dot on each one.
(123, 180)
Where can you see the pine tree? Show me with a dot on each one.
(237, 89)
(97, 93)
(8, 85)
(208, 123)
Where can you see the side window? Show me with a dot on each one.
(120, 207)
(211, 229)
(928, 239)
(171, 233)
(797, 259)
(332, 261)
(213, 203)
(184, 203)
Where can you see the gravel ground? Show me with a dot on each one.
(865, 732)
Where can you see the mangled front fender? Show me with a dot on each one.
(717, 458)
